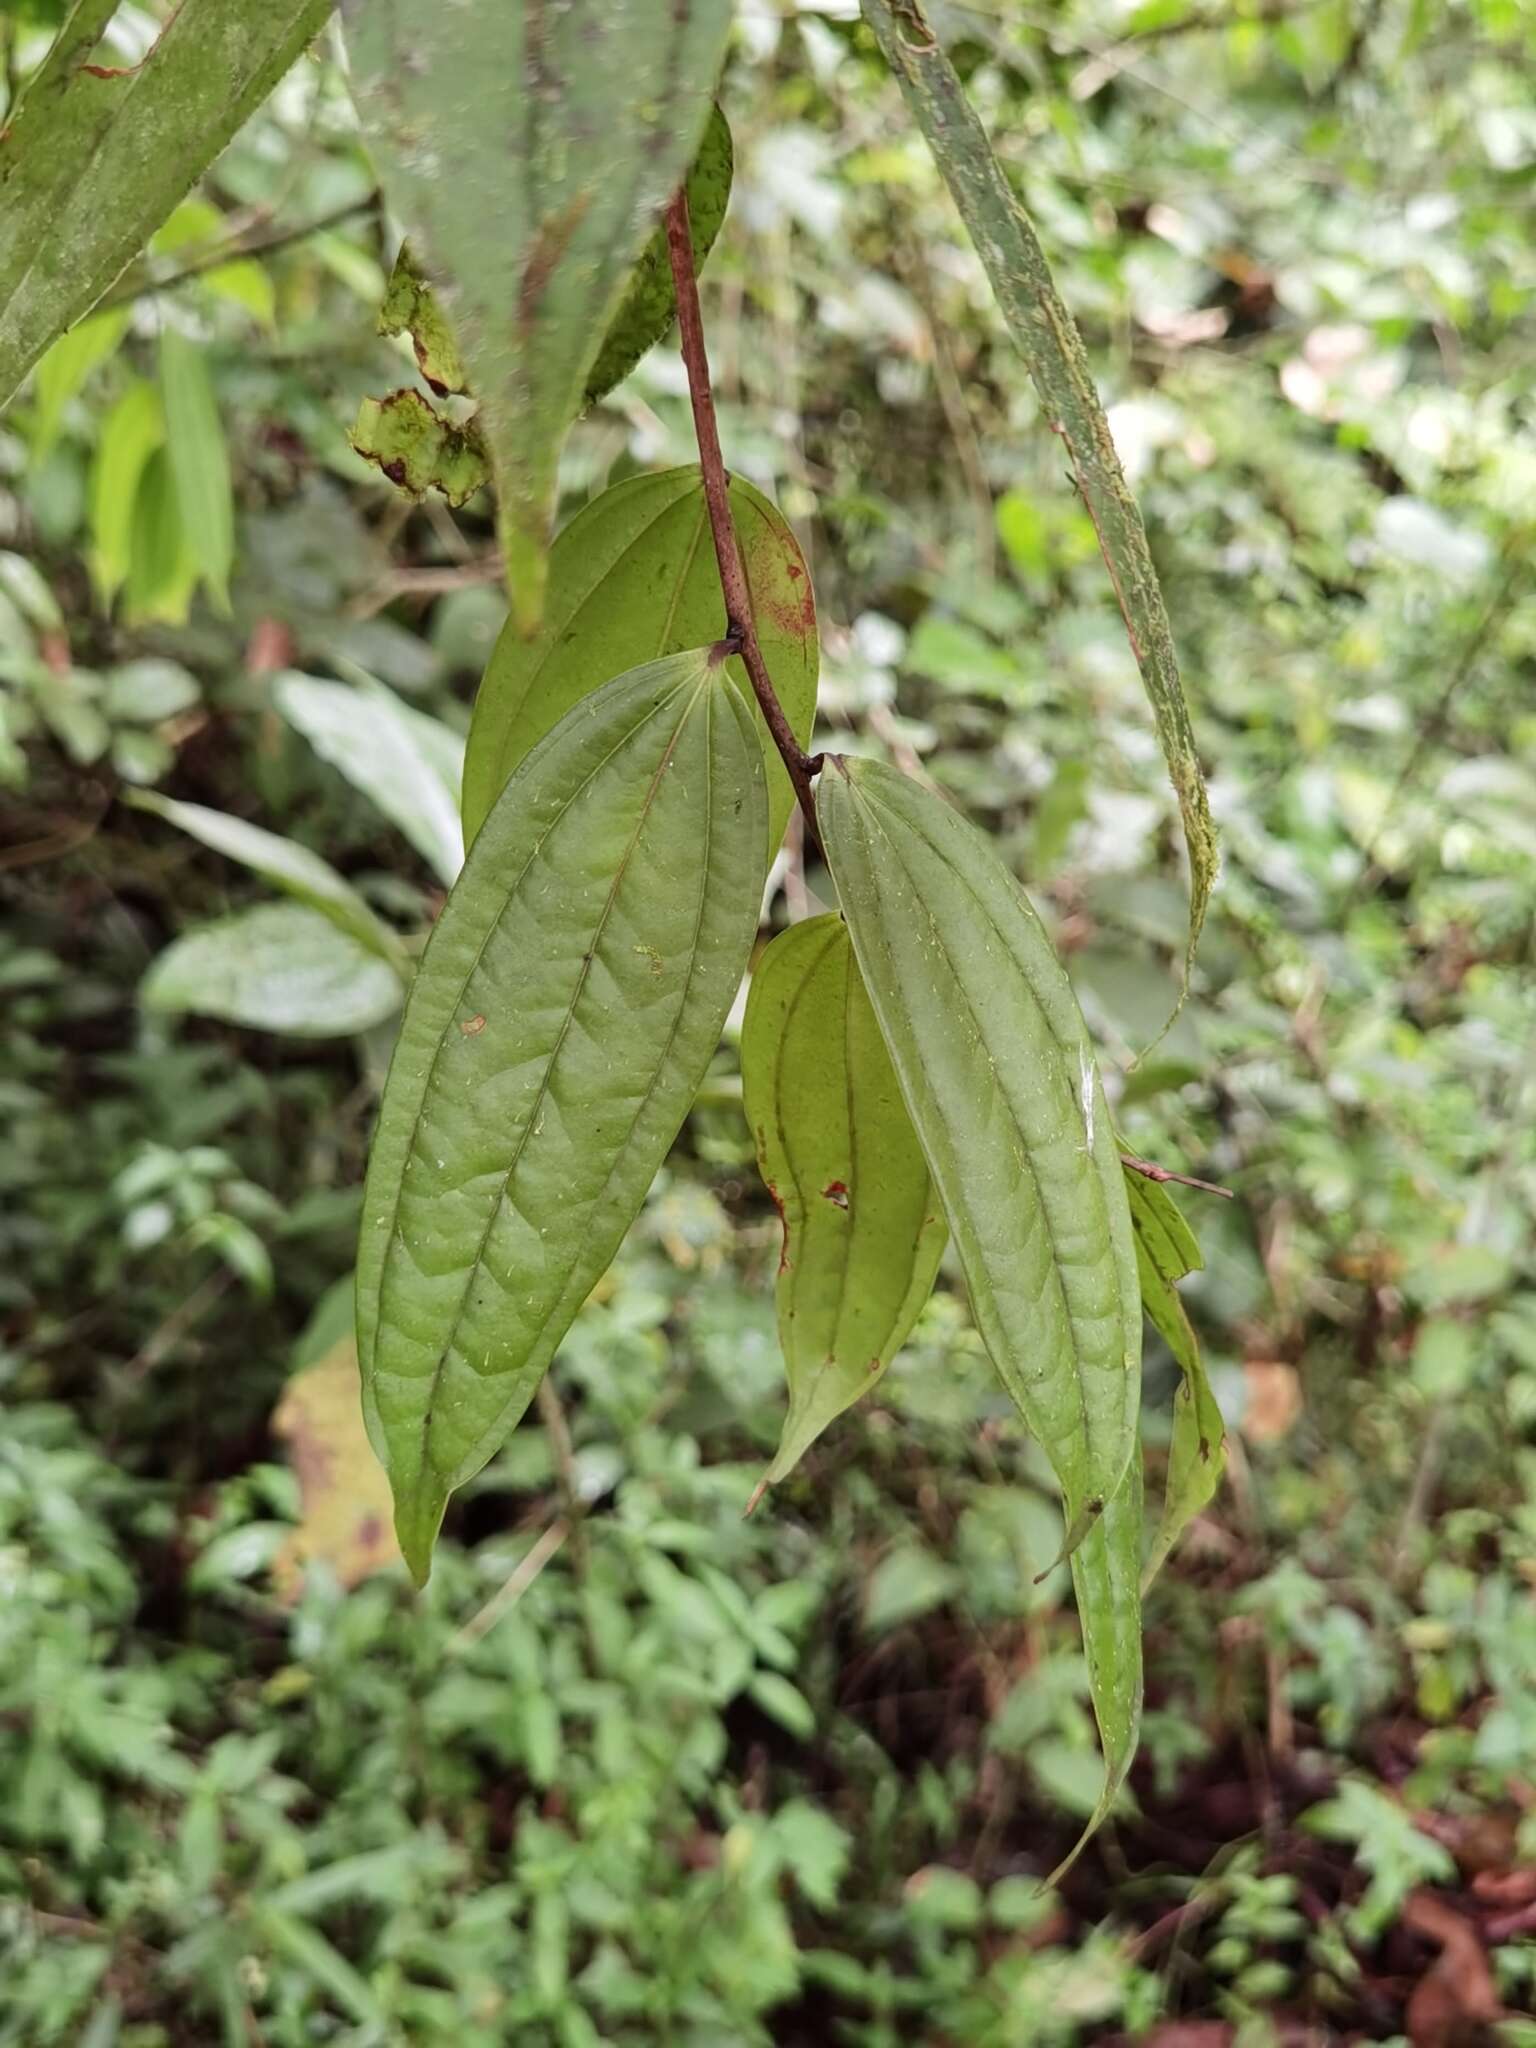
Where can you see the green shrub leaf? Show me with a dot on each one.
(529, 158)
(650, 301)
(199, 459)
(283, 862)
(633, 577)
(1048, 339)
(994, 1061)
(280, 967)
(99, 154)
(563, 1016)
(863, 1232)
(1197, 1455)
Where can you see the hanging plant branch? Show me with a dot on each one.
(741, 626)
(1047, 337)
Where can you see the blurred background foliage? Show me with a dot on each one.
(633, 1769)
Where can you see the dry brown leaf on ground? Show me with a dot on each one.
(1455, 2001)
(1274, 1400)
(347, 1518)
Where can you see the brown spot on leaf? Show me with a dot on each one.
(472, 1026)
(550, 246)
(836, 1192)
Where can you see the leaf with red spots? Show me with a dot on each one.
(529, 150)
(863, 1233)
(632, 577)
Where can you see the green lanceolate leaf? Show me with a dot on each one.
(863, 1232)
(633, 577)
(131, 434)
(650, 301)
(98, 154)
(1197, 1455)
(562, 1018)
(529, 150)
(1001, 1083)
(280, 967)
(199, 459)
(290, 867)
(1048, 339)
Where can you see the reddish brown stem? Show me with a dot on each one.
(740, 624)
(1150, 1170)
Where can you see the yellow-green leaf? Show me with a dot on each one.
(633, 577)
(130, 434)
(419, 450)
(199, 458)
(564, 1013)
(863, 1231)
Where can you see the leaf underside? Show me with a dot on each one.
(1003, 1090)
(863, 1232)
(566, 1008)
(98, 156)
(529, 162)
(1048, 339)
(633, 577)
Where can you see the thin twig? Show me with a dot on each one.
(238, 250)
(563, 1451)
(740, 624)
(1150, 1170)
(508, 1594)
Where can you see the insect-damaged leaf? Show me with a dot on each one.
(564, 1013)
(632, 577)
(994, 1061)
(1197, 1454)
(98, 154)
(1048, 339)
(419, 450)
(529, 150)
(863, 1233)
(643, 317)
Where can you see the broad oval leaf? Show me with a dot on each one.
(97, 155)
(529, 151)
(384, 749)
(1166, 1250)
(564, 1013)
(280, 967)
(863, 1231)
(998, 1074)
(633, 577)
(290, 866)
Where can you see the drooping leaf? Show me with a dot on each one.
(199, 458)
(377, 744)
(1197, 1454)
(419, 450)
(1001, 1083)
(650, 301)
(162, 568)
(529, 157)
(633, 577)
(97, 155)
(130, 435)
(293, 868)
(1048, 339)
(1106, 1578)
(65, 367)
(564, 1013)
(863, 1232)
(280, 967)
